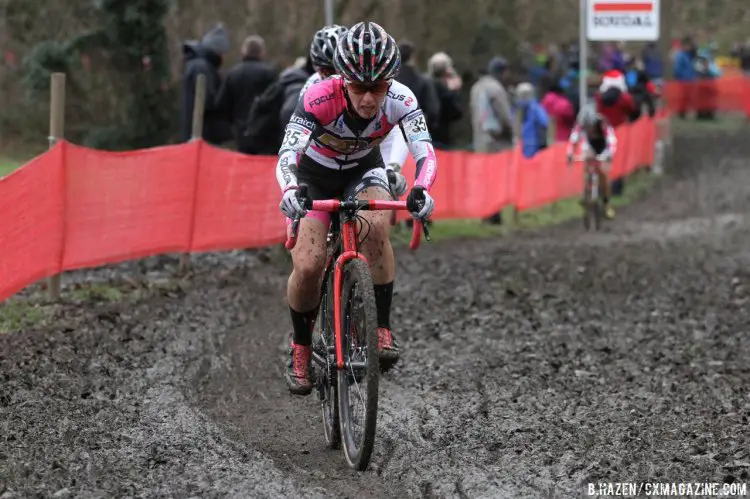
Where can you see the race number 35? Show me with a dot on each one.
(291, 137)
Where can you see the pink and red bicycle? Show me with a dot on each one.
(346, 369)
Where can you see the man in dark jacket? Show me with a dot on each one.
(293, 80)
(424, 90)
(204, 57)
(448, 84)
(270, 113)
(248, 79)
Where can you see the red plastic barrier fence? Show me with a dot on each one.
(729, 93)
(74, 207)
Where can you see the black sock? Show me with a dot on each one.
(383, 297)
(303, 323)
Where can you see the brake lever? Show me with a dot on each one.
(304, 202)
(425, 230)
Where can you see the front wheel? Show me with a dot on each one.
(326, 373)
(588, 202)
(358, 381)
(598, 208)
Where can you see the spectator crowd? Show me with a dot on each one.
(532, 100)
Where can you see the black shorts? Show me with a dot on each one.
(327, 183)
(598, 144)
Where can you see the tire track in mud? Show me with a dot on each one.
(532, 365)
(485, 409)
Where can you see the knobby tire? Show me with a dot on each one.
(357, 276)
(326, 379)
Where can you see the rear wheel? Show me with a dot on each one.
(587, 216)
(325, 376)
(358, 382)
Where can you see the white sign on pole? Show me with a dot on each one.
(615, 20)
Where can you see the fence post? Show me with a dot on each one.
(56, 131)
(199, 106)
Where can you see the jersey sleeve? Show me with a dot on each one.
(312, 80)
(297, 135)
(394, 148)
(575, 136)
(413, 124)
(611, 141)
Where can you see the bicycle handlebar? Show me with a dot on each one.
(586, 159)
(335, 205)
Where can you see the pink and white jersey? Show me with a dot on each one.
(322, 129)
(393, 148)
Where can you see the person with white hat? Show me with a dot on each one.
(613, 100)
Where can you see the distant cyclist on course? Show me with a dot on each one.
(601, 142)
(331, 144)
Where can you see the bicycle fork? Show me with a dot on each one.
(593, 179)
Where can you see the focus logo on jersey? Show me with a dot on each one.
(401, 98)
(395, 96)
(304, 122)
(321, 100)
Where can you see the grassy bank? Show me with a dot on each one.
(554, 214)
(7, 166)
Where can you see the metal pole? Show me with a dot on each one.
(583, 54)
(56, 132)
(329, 12)
(199, 105)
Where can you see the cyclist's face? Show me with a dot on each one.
(367, 98)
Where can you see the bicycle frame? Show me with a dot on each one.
(348, 237)
(590, 170)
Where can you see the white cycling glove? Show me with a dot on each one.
(425, 208)
(395, 179)
(290, 205)
(605, 156)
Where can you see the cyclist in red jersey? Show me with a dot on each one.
(331, 144)
(600, 143)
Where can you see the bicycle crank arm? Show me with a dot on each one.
(320, 361)
(355, 366)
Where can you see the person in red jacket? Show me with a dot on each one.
(613, 100)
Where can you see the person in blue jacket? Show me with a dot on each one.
(533, 120)
(652, 63)
(683, 65)
(683, 69)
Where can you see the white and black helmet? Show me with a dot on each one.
(367, 54)
(588, 116)
(323, 45)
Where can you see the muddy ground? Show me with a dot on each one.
(533, 365)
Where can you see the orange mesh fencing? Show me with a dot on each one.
(74, 207)
(728, 93)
